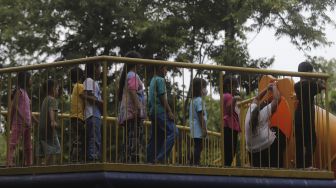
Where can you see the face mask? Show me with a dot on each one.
(204, 92)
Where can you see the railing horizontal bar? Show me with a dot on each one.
(168, 63)
(114, 119)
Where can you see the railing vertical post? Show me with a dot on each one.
(221, 116)
(104, 110)
(9, 103)
(328, 127)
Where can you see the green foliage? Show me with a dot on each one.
(194, 31)
(214, 115)
(329, 67)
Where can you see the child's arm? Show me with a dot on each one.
(134, 98)
(52, 115)
(166, 106)
(203, 123)
(35, 119)
(276, 98)
(321, 85)
(14, 107)
(258, 98)
(88, 97)
(230, 105)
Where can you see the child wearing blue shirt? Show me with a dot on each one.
(198, 117)
(163, 133)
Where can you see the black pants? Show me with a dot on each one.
(230, 143)
(198, 147)
(272, 156)
(133, 149)
(305, 146)
(77, 153)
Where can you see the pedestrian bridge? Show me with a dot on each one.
(177, 170)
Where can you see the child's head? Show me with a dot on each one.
(126, 68)
(199, 87)
(51, 87)
(160, 69)
(24, 80)
(230, 84)
(305, 67)
(132, 54)
(76, 75)
(93, 70)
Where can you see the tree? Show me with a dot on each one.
(329, 67)
(195, 31)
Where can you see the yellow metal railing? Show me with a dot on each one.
(213, 146)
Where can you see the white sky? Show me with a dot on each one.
(287, 56)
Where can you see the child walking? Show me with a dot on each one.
(48, 137)
(21, 120)
(198, 118)
(230, 117)
(305, 133)
(132, 110)
(77, 124)
(93, 111)
(163, 130)
(262, 141)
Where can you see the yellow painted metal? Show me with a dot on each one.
(114, 120)
(105, 71)
(168, 63)
(9, 104)
(328, 127)
(167, 169)
(221, 89)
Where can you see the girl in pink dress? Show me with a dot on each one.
(21, 119)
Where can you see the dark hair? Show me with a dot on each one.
(157, 67)
(49, 85)
(305, 67)
(23, 79)
(197, 85)
(255, 119)
(76, 74)
(22, 82)
(126, 67)
(90, 69)
(228, 82)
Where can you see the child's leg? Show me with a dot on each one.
(277, 149)
(130, 146)
(230, 141)
(13, 141)
(139, 139)
(156, 140)
(168, 136)
(77, 137)
(93, 138)
(197, 151)
(27, 146)
(310, 143)
(299, 145)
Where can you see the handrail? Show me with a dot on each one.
(169, 63)
(114, 119)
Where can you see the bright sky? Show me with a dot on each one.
(287, 56)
